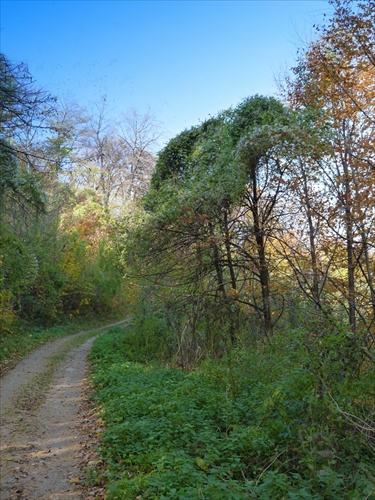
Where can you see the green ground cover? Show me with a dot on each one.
(268, 422)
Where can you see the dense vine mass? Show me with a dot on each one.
(248, 240)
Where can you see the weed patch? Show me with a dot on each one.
(252, 426)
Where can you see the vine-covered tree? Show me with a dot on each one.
(215, 204)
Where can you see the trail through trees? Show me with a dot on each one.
(40, 428)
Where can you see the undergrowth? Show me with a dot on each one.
(282, 421)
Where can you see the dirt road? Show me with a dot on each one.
(39, 415)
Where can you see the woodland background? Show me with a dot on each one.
(245, 251)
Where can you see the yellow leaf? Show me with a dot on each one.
(201, 464)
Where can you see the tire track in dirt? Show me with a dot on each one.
(40, 427)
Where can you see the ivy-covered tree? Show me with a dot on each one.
(214, 206)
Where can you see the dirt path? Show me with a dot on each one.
(40, 432)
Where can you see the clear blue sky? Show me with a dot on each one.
(185, 60)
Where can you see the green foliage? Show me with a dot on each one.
(257, 424)
(8, 169)
(56, 254)
(200, 212)
(255, 112)
(48, 270)
(175, 159)
(148, 337)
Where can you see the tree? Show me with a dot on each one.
(140, 134)
(336, 74)
(116, 159)
(213, 204)
(23, 113)
(47, 266)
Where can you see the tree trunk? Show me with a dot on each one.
(262, 260)
(351, 264)
(313, 256)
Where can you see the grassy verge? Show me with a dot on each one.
(21, 341)
(271, 423)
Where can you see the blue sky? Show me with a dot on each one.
(183, 60)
